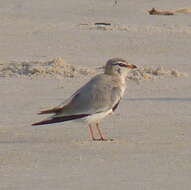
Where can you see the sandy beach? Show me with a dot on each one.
(152, 126)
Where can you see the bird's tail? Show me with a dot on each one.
(60, 119)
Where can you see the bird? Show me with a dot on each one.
(99, 97)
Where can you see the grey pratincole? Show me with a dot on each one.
(95, 100)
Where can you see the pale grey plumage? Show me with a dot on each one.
(100, 94)
(96, 99)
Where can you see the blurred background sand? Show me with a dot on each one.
(151, 128)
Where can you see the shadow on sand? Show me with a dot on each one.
(162, 99)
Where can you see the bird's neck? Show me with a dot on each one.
(122, 79)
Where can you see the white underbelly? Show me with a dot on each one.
(96, 117)
(123, 88)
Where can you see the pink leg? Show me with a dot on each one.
(99, 131)
(91, 132)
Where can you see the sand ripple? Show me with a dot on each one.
(58, 68)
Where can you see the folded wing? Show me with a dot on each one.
(99, 95)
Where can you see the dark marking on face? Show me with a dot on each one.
(115, 106)
(130, 66)
(120, 64)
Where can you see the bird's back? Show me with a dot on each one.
(101, 93)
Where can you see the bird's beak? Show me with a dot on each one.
(131, 66)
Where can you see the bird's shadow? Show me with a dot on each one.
(160, 99)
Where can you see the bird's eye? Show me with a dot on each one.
(122, 65)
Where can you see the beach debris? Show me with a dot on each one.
(183, 11)
(103, 23)
(154, 11)
(104, 26)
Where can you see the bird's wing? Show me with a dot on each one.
(60, 107)
(98, 95)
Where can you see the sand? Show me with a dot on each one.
(152, 126)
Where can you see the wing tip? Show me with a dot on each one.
(44, 122)
(37, 123)
(60, 119)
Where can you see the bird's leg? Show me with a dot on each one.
(91, 132)
(99, 131)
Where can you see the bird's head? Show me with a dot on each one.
(118, 66)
